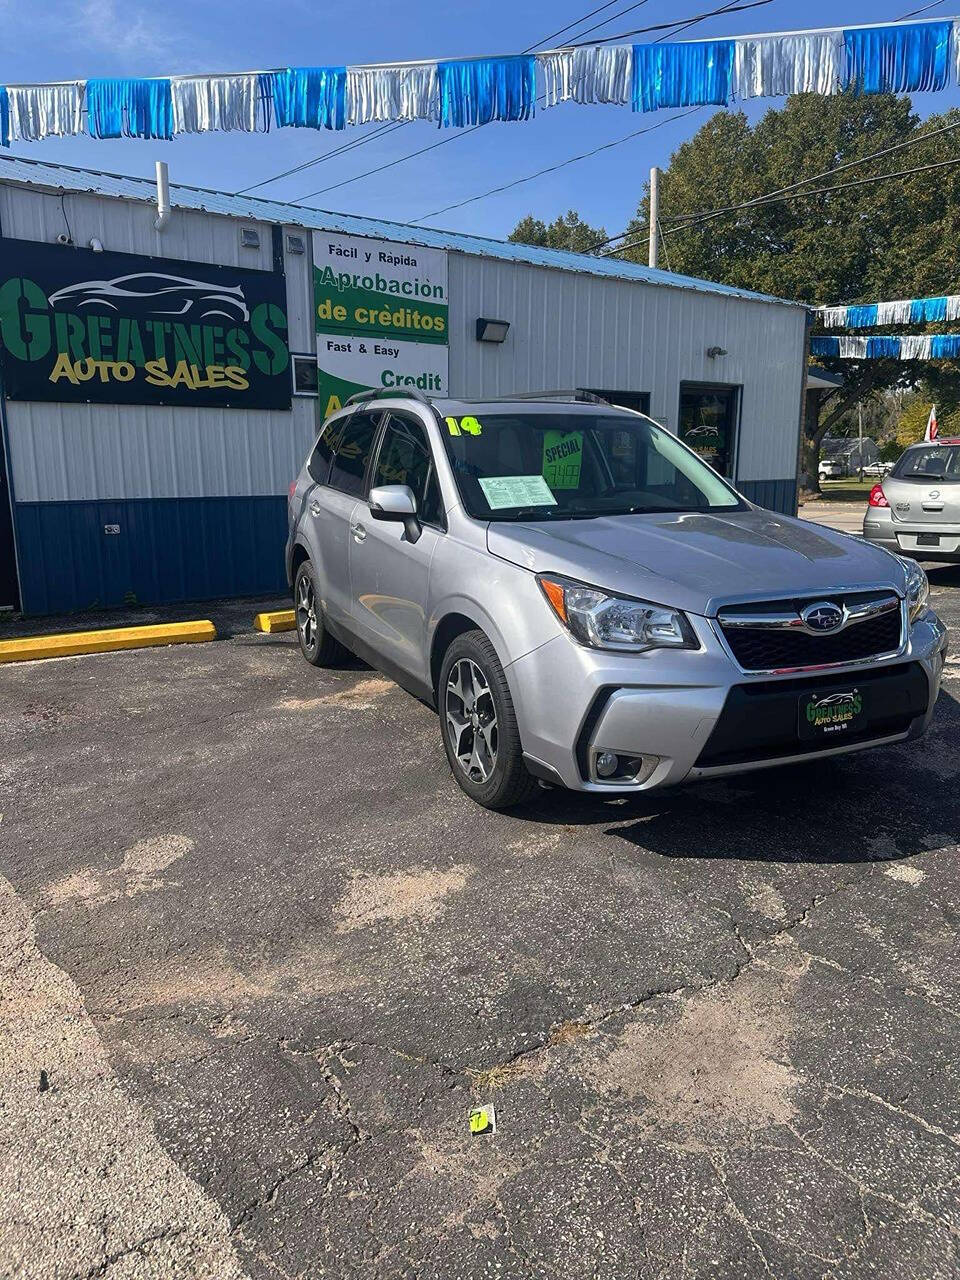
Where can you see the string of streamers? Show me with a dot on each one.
(904, 57)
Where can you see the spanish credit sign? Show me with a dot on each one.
(116, 328)
(382, 316)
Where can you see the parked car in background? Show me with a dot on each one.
(588, 604)
(915, 510)
(831, 469)
(878, 468)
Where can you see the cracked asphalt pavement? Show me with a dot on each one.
(259, 957)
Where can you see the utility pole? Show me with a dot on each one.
(654, 252)
(860, 436)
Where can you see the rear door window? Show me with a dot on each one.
(351, 446)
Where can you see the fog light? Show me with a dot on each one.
(607, 764)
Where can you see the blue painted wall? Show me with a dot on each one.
(776, 495)
(171, 549)
(168, 549)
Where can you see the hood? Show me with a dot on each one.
(695, 561)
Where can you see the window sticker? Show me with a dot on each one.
(464, 426)
(516, 491)
(562, 455)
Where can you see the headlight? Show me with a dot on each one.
(918, 588)
(603, 621)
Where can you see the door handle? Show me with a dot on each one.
(314, 508)
(358, 531)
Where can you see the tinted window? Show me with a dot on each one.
(708, 422)
(405, 458)
(319, 464)
(520, 466)
(935, 462)
(351, 452)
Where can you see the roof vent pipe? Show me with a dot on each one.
(163, 196)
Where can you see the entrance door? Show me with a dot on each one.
(9, 595)
(708, 424)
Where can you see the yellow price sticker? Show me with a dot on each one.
(466, 426)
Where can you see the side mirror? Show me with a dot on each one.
(396, 502)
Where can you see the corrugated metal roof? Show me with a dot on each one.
(17, 169)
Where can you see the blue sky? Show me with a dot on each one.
(63, 39)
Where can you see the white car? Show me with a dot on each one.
(831, 469)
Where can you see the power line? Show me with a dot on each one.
(586, 18)
(681, 23)
(802, 195)
(704, 215)
(612, 18)
(327, 155)
(682, 26)
(562, 164)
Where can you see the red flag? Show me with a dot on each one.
(933, 427)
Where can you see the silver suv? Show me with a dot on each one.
(587, 604)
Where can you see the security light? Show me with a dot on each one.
(295, 244)
(249, 238)
(492, 330)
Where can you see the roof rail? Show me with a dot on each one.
(569, 393)
(387, 393)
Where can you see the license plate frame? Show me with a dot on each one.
(827, 714)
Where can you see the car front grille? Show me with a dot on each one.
(778, 642)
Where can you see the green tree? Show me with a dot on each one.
(914, 419)
(890, 239)
(569, 231)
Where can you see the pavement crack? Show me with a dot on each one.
(741, 1217)
(110, 1259)
(910, 1207)
(865, 1095)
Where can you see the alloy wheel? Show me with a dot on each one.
(471, 717)
(306, 612)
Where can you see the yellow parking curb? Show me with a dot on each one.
(282, 621)
(76, 642)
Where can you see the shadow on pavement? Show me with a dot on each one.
(860, 808)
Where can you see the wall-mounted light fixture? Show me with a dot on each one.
(249, 238)
(295, 244)
(713, 352)
(492, 330)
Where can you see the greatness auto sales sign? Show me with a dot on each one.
(115, 328)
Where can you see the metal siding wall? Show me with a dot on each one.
(89, 452)
(570, 329)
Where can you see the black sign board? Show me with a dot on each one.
(116, 328)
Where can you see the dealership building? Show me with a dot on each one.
(165, 366)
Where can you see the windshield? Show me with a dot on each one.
(932, 462)
(548, 466)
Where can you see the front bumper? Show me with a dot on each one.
(573, 701)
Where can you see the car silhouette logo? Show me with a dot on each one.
(152, 293)
(822, 617)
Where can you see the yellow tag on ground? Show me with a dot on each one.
(483, 1119)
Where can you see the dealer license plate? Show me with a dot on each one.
(830, 715)
(928, 539)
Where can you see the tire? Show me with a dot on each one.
(316, 643)
(478, 725)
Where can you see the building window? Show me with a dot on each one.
(708, 423)
(305, 376)
(639, 401)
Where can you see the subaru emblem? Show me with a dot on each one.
(821, 617)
